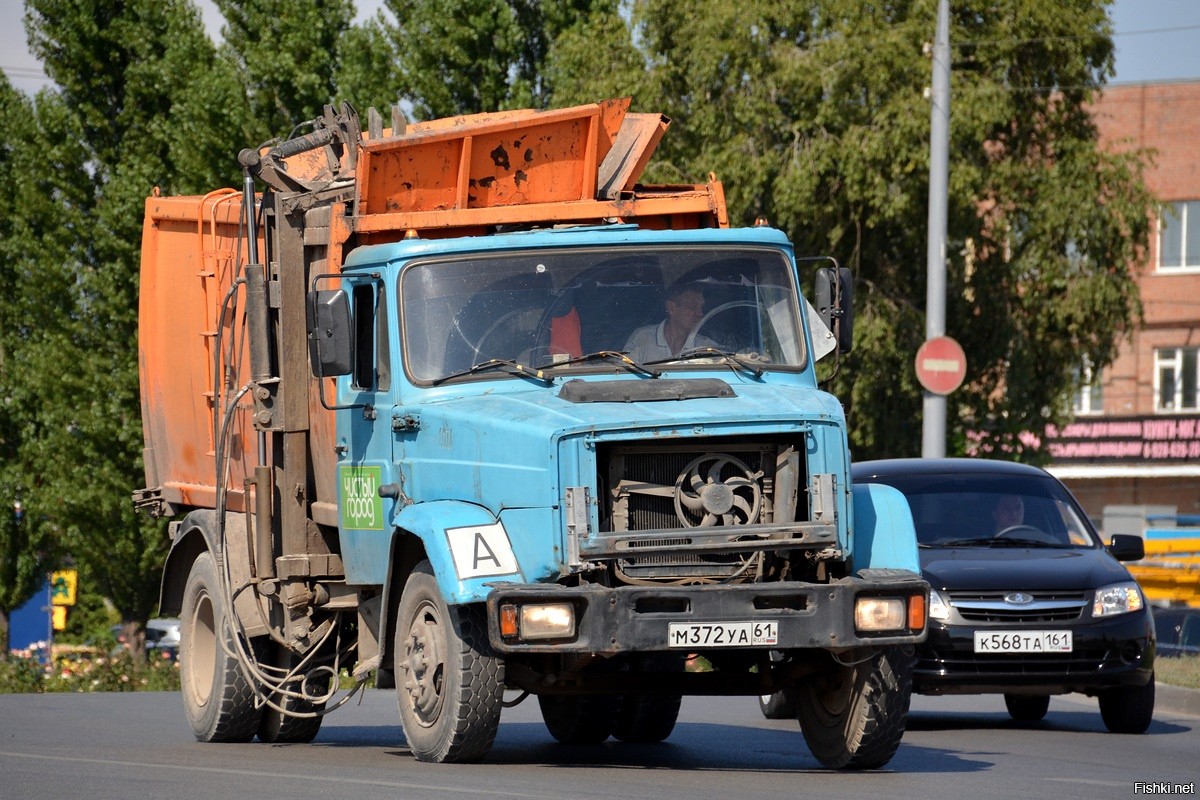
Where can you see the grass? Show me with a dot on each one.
(1183, 671)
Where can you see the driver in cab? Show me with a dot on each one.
(677, 333)
(1009, 512)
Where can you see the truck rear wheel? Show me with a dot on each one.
(449, 683)
(853, 716)
(579, 719)
(278, 727)
(218, 699)
(1027, 707)
(650, 718)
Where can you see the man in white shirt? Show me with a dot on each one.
(677, 333)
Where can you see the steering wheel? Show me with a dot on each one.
(722, 309)
(1026, 532)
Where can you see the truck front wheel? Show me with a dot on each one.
(853, 715)
(218, 699)
(449, 683)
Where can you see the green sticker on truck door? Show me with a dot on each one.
(362, 507)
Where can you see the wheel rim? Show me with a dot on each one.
(831, 696)
(424, 665)
(201, 666)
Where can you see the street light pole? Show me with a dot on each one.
(933, 435)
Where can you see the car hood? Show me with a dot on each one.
(1011, 568)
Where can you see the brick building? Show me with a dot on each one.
(1135, 441)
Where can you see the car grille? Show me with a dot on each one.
(1044, 607)
(966, 663)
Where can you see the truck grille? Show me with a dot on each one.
(689, 497)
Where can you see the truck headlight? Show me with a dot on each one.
(1119, 598)
(538, 621)
(874, 614)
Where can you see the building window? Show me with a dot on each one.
(1089, 397)
(1176, 379)
(1179, 236)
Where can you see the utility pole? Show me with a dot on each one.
(933, 438)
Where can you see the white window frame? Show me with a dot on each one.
(1088, 399)
(1182, 209)
(1173, 358)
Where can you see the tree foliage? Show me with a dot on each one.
(813, 114)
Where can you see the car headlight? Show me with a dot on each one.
(1119, 598)
(938, 607)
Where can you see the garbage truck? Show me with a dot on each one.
(464, 409)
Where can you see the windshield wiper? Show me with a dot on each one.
(611, 356)
(709, 352)
(503, 364)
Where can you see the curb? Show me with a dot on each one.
(1176, 700)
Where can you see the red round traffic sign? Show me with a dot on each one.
(941, 365)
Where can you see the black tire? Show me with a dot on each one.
(277, 727)
(579, 719)
(780, 705)
(449, 683)
(1027, 707)
(647, 718)
(1128, 709)
(650, 718)
(853, 716)
(217, 697)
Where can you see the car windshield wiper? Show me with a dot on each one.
(503, 364)
(709, 352)
(992, 541)
(611, 356)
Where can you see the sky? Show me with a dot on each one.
(1156, 40)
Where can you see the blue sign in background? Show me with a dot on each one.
(31, 622)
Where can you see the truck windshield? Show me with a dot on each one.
(680, 308)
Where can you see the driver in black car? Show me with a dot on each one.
(1008, 512)
(675, 334)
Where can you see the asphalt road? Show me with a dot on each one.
(138, 745)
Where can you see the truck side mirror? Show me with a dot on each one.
(834, 296)
(329, 333)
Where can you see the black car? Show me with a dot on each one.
(1025, 600)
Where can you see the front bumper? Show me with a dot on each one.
(1105, 654)
(629, 619)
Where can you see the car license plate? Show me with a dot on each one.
(1023, 642)
(722, 634)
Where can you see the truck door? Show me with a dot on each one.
(364, 448)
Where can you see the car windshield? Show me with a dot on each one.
(992, 511)
(556, 311)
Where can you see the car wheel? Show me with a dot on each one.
(777, 706)
(1128, 709)
(853, 715)
(1027, 707)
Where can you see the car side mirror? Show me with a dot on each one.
(1125, 547)
(834, 296)
(329, 333)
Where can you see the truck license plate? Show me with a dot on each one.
(1023, 642)
(722, 634)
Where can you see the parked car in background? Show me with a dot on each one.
(162, 637)
(1026, 601)
(1178, 629)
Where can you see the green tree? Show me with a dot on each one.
(813, 114)
(286, 58)
(447, 57)
(135, 80)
